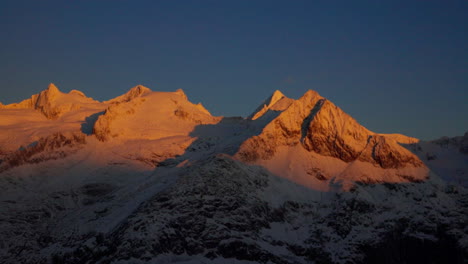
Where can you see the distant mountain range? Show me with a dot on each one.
(149, 177)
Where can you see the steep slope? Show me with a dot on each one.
(277, 102)
(313, 141)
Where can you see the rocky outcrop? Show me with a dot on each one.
(331, 132)
(134, 92)
(284, 130)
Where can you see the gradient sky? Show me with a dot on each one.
(395, 66)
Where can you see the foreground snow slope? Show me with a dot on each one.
(149, 177)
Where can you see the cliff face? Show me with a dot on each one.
(321, 127)
(284, 130)
(331, 132)
(318, 126)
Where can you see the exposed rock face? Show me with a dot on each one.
(134, 92)
(323, 128)
(387, 154)
(46, 103)
(286, 129)
(331, 132)
(276, 102)
(102, 126)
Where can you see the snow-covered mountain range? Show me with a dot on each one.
(149, 177)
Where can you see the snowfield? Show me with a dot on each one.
(149, 177)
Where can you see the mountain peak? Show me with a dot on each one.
(276, 102)
(52, 103)
(139, 89)
(52, 89)
(312, 126)
(181, 93)
(136, 91)
(276, 96)
(47, 96)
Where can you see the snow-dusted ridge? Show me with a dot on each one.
(276, 102)
(150, 177)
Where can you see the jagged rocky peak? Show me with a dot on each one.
(53, 103)
(316, 125)
(47, 96)
(37, 99)
(134, 92)
(275, 97)
(52, 89)
(276, 102)
(139, 89)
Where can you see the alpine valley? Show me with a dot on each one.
(149, 177)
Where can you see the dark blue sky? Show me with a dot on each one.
(395, 66)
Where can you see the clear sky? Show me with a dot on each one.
(395, 66)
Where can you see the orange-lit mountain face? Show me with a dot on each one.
(309, 141)
(150, 177)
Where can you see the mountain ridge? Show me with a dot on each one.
(154, 178)
(310, 122)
